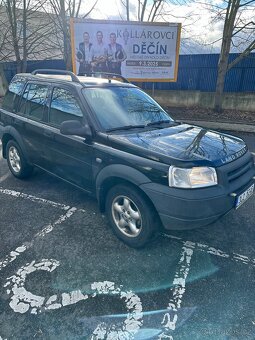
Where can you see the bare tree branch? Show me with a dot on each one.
(92, 8)
(244, 54)
(235, 33)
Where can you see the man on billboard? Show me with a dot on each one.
(99, 54)
(83, 55)
(116, 55)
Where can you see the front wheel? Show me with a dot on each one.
(16, 161)
(131, 216)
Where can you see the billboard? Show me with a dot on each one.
(140, 51)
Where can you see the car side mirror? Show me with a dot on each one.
(74, 127)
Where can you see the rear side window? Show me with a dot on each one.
(14, 91)
(64, 106)
(34, 100)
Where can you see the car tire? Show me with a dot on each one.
(16, 161)
(131, 215)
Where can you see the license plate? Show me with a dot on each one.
(244, 196)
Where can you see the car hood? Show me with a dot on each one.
(185, 143)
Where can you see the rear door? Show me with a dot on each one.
(69, 157)
(30, 123)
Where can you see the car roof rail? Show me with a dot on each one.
(54, 71)
(110, 76)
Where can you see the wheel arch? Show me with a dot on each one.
(5, 139)
(119, 174)
(12, 134)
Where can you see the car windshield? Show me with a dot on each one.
(117, 107)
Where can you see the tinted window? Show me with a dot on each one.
(13, 93)
(122, 106)
(64, 106)
(33, 101)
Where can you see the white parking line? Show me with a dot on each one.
(199, 246)
(33, 198)
(217, 252)
(47, 229)
(179, 283)
(3, 178)
(178, 290)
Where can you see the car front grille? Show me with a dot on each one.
(240, 170)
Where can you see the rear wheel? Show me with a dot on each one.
(16, 161)
(131, 216)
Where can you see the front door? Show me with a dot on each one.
(69, 157)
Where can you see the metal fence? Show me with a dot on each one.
(199, 72)
(196, 72)
(10, 68)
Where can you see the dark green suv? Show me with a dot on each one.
(110, 139)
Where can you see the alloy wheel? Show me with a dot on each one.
(126, 216)
(14, 159)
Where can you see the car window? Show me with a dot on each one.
(13, 93)
(33, 101)
(64, 106)
(122, 106)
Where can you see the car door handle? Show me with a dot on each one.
(18, 122)
(48, 133)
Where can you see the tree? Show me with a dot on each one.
(238, 34)
(238, 31)
(28, 34)
(60, 12)
(5, 53)
(145, 10)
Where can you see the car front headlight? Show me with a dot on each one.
(197, 177)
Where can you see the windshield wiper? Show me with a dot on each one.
(125, 127)
(160, 122)
(129, 127)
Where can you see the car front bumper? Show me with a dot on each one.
(181, 209)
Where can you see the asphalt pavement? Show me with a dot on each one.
(64, 275)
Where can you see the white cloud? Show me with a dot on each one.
(202, 29)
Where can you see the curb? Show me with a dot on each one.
(221, 125)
